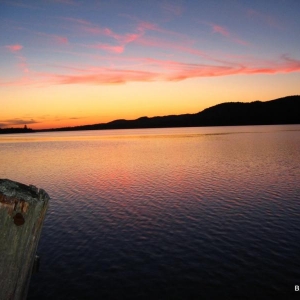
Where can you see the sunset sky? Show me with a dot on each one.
(73, 62)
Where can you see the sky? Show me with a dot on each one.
(72, 62)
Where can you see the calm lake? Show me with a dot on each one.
(180, 213)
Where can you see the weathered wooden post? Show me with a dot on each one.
(22, 212)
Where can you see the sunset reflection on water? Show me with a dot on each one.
(183, 212)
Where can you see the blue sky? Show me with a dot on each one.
(103, 60)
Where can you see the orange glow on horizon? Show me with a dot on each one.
(117, 61)
(75, 105)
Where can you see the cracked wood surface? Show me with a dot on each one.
(22, 212)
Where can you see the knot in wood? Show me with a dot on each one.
(19, 219)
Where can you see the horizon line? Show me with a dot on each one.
(26, 128)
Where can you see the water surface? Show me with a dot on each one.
(183, 213)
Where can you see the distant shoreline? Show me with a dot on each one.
(274, 112)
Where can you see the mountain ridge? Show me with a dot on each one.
(285, 110)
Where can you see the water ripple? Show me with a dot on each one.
(193, 216)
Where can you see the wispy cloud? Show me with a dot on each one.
(16, 122)
(23, 64)
(60, 39)
(118, 49)
(219, 29)
(106, 76)
(143, 27)
(216, 28)
(147, 69)
(14, 48)
(172, 8)
(22, 61)
(265, 18)
(160, 43)
(54, 38)
(76, 118)
(176, 47)
(122, 40)
(57, 39)
(172, 71)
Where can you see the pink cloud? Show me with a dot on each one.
(60, 39)
(14, 48)
(22, 61)
(90, 28)
(23, 65)
(182, 71)
(113, 49)
(146, 69)
(129, 38)
(144, 26)
(121, 39)
(219, 29)
(105, 76)
(139, 31)
(173, 71)
(98, 30)
(225, 32)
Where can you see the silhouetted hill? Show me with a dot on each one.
(279, 111)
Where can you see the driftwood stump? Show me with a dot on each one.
(22, 212)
